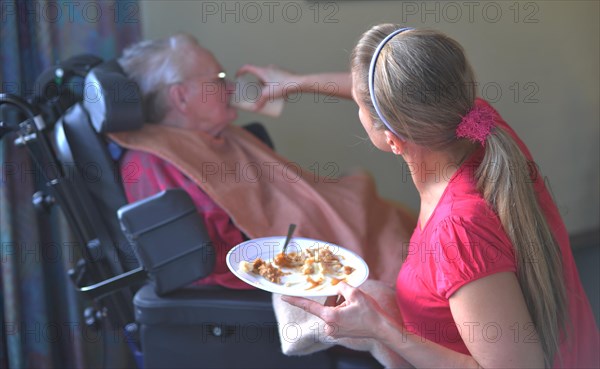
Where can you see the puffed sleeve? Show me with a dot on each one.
(470, 249)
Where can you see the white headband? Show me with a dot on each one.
(372, 77)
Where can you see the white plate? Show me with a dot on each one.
(266, 248)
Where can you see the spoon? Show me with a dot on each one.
(291, 230)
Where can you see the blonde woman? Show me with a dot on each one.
(489, 280)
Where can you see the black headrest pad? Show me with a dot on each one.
(113, 101)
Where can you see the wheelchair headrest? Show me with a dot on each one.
(113, 101)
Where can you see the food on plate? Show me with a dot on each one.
(314, 283)
(264, 269)
(317, 264)
(289, 260)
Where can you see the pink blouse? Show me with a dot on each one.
(463, 241)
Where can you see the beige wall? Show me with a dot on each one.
(538, 61)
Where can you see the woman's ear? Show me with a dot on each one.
(395, 143)
(178, 98)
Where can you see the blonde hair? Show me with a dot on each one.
(154, 65)
(424, 85)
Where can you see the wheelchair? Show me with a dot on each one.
(134, 281)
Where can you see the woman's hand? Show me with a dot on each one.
(357, 315)
(277, 83)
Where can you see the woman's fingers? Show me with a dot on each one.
(249, 68)
(346, 291)
(345, 294)
(322, 312)
(268, 74)
(271, 80)
(352, 315)
(310, 306)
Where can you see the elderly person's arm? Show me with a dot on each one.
(279, 83)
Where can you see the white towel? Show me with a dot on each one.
(302, 333)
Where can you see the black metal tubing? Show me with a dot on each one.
(73, 206)
(110, 285)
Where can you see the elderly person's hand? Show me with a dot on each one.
(277, 83)
(358, 315)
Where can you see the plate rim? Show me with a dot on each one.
(309, 293)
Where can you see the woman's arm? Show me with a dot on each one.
(279, 83)
(490, 312)
(334, 84)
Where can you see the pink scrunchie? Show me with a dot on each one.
(477, 124)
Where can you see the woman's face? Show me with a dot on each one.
(377, 136)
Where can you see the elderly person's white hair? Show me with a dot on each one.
(154, 65)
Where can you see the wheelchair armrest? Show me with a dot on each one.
(169, 239)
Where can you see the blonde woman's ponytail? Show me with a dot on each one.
(503, 178)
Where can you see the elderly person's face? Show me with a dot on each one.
(203, 98)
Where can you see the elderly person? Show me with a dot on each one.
(183, 86)
(240, 186)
